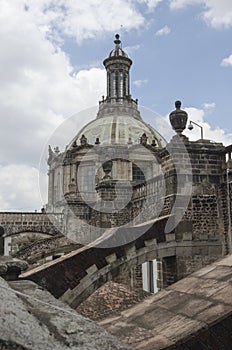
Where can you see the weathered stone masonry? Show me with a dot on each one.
(120, 163)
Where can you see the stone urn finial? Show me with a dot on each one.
(178, 118)
(107, 167)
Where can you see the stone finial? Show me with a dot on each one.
(56, 150)
(178, 104)
(143, 139)
(178, 118)
(74, 145)
(117, 40)
(83, 140)
(50, 155)
(107, 167)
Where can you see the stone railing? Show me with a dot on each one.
(152, 186)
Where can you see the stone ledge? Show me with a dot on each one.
(188, 314)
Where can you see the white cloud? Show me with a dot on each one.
(163, 31)
(39, 89)
(39, 86)
(83, 19)
(19, 188)
(227, 61)
(209, 106)
(130, 49)
(216, 13)
(216, 135)
(178, 4)
(139, 83)
(151, 4)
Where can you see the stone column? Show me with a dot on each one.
(50, 187)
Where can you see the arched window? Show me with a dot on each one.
(137, 174)
(86, 179)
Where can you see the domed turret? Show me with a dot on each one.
(117, 66)
(118, 119)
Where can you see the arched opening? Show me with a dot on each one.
(21, 240)
(137, 174)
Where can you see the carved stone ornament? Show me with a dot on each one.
(178, 118)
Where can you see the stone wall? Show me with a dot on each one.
(16, 222)
(203, 232)
(203, 229)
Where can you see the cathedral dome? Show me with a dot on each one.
(118, 130)
(118, 120)
(118, 127)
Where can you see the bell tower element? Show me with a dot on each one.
(117, 66)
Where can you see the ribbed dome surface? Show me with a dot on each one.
(120, 129)
(117, 52)
(118, 120)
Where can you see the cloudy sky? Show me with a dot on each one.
(51, 68)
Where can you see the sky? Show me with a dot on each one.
(51, 69)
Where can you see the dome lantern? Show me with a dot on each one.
(117, 66)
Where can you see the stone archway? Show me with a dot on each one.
(22, 239)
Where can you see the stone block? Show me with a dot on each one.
(150, 242)
(225, 262)
(215, 250)
(213, 313)
(170, 237)
(131, 252)
(187, 236)
(165, 252)
(92, 269)
(201, 250)
(183, 251)
(111, 258)
(151, 255)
